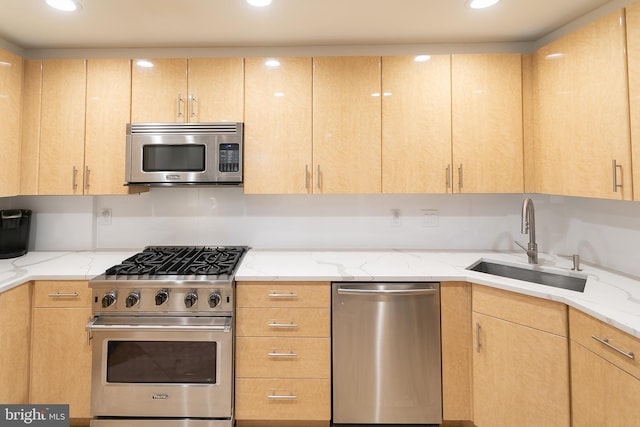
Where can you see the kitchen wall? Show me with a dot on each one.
(603, 232)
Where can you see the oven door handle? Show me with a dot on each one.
(91, 326)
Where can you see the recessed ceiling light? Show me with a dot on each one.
(259, 3)
(481, 4)
(64, 5)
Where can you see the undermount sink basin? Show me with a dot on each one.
(558, 280)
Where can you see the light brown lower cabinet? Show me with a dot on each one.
(15, 321)
(60, 351)
(520, 361)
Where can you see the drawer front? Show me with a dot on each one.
(283, 322)
(283, 294)
(549, 316)
(62, 294)
(606, 341)
(283, 357)
(268, 399)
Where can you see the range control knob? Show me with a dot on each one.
(214, 299)
(162, 296)
(109, 299)
(191, 298)
(132, 299)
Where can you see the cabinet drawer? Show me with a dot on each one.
(587, 330)
(283, 357)
(271, 399)
(62, 294)
(549, 316)
(283, 322)
(283, 294)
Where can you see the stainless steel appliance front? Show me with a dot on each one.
(174, 370)
(386, 353)
(184, 153)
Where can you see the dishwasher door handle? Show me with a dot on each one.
(425, 291)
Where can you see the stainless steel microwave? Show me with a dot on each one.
(184, 153)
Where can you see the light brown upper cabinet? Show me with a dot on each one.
(416, 124)
(633, 52)
(277, 135)
(347, 146)
(108, 112)
(61, 159)
(583, 146)
(487, 123)
(30, 149)
(187, 90)
(11, 66)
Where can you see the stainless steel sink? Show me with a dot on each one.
(571, 282)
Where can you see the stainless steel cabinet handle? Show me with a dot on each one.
(180, 101)
(282, 354)
(448, 177)
(615, 167)
(283, 325)
(87, 171)
(74, 175)
(279, 295)
(478, 337)
(319, 179)
(460, 174)
(605, 341)
(282, 397)
(343, 291)
(306, 177)
(192, 106)
(59, 295)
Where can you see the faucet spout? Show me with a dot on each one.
(528, 226)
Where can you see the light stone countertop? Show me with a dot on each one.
(611, 297)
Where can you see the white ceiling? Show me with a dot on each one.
(30, 24)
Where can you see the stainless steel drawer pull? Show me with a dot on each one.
(605, 341)
(282, 397)
(283, 325)
(343, 291)
(59, 295)
(279, 295)
(282, 354)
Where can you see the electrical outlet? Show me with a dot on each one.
(104, 218)
(396, 218)
(430, 218)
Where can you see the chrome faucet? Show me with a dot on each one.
(528, 224)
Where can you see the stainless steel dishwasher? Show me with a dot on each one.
(386, 353)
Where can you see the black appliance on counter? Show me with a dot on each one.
(14, 232)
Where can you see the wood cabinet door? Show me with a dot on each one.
(11, 66)
(416, 124)
(31, 111)
(278, 131)
(347, 148)
(159, 92)
(602, 394)
(61, 161)
(108, 112)
(583, 113)
(633, 53)
(520, 375)
(487, 123)
(61, 359)
(216, 90)
(15, 324)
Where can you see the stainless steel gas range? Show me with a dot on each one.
(162, 336)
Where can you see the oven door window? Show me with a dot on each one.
(173, 158)
(165, 362)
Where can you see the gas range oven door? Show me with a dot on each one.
(148, 367)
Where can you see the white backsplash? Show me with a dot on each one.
(603, 232)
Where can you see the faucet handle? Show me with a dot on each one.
(576, 261)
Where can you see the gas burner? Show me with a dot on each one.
(180, 261)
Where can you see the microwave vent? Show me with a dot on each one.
(226, 128)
